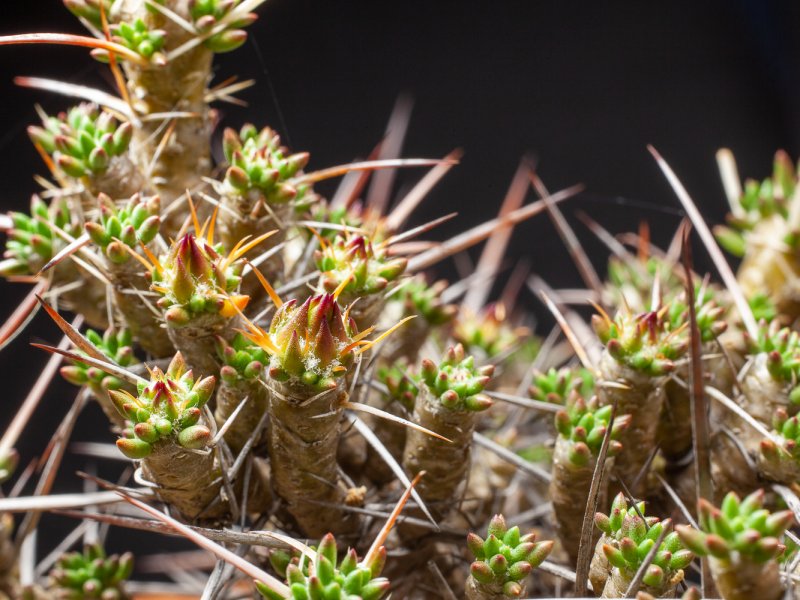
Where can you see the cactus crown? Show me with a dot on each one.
(194, 279)
(400, 384)
(559, 386)
(322, 212)
(489, 332)
(782, 348)
(584, 425)
(169, 406)
(739, 527)
(89, 10)
(241, 359)
(424, 300)
(457, 382)
(708, 312)
(329, 579)
(505, 557)
(116, 344)
(83, 140)
(312, 342)
(31, 241)
(635, 536)
(355, 259)
(208, 14)
(259, 162)
(761, 201)
(763, 307)
(91, 574)
(788, 430)
(644, 342)
(137, 36)
(631, 280)
(137, 222)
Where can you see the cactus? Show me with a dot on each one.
(364, 270)
(198, 298)
(116, 345)
(416, 297)
(451, 397)
(328, 577)
(259, 193)
(581, 428)
(118, 235)
(778, 456)
(166, 425)
(91, 574)
(239, 379)
(91, 145)
(503, 561)
(628, 537)
(558, 386)
(743, 541)
(639, 351)
(311, 346)
(765, 210)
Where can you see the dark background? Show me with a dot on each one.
(583, 86)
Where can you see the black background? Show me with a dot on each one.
(583, 86)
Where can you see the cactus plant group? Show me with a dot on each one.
(278, 366)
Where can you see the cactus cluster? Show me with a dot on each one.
(300, 368)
